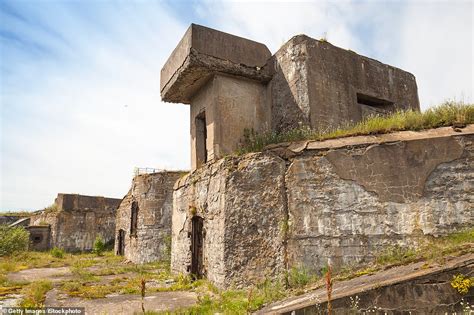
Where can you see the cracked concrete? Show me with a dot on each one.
(266, 212)
(415, 288)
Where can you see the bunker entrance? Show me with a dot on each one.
(134, 219)
(121, 243)
(196, 247)
(201, 139)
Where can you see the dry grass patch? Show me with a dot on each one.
(450, 113)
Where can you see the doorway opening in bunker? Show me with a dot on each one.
(121, 243)
(134, 219)
(201, 139)
(196, 247)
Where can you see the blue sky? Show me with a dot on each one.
(79, 89)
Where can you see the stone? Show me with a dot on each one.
(264, 213)
(405, 289)
(242, 204)
(78, 220)
(151, 196)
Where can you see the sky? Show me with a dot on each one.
(79, 80)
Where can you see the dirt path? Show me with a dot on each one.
(112, 304)
(126, 303)
(53, 274)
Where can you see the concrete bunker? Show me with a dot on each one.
(234, 84)
(76, 220)
(39, 237)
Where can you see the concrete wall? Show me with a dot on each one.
(9, 219)
(345, 199)
(316, 84)
(201, 53)
(243, 236)
(78, 220)
(39, 237)
(153, 194)
(231, 105)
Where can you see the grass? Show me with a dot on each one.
(88, 271)
(302, 280)
(450, 113)
(35, 293)
(235, 301)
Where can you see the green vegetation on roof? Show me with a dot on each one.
(450, 113)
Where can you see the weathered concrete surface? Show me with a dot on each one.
(53, 274)
(230, 105)
(292, 206)
(78, 220)
(234, 84)
(9, 219)
(411, 288)
(39, 237)
(347, 204)
(153, 194)
(243, 240)
(125, 304)
(201, 53)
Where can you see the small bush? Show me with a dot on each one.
(99, 246)
(396, 255)
(462, 284)
(57, 252)
(299, 277)
(51, 209)
(13, 239)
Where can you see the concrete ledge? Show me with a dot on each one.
(367, 283)
(203, 51)
(298, 147)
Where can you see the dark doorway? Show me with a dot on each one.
(134, 219)
(121, 243)
(201, 139)
(196, 247)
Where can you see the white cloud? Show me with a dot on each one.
(436, 43)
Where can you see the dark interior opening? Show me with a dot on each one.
(121, 243)
(201, 139)
(372, 101)
(197, 247)
(37, 239)
(134, 219)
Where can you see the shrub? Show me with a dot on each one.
(299, 277)
(396, 255)
(57, 252)
(462, 284)
(51, 209)
(99, 246)
(13, 239)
